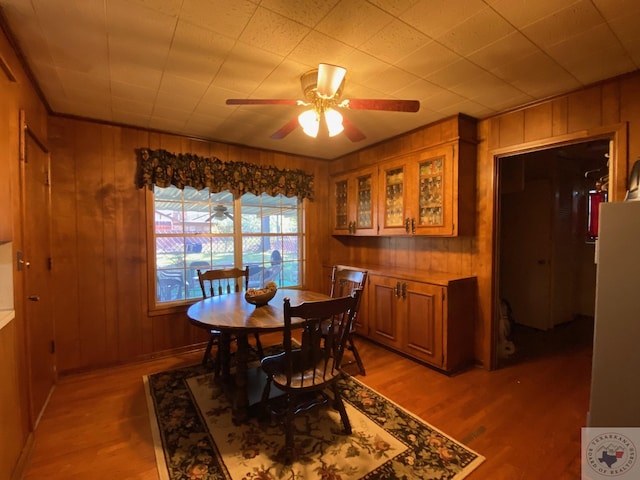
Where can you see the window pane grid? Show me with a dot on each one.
(194, 229)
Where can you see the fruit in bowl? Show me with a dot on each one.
(261, 296)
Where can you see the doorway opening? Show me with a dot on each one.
(546, 254)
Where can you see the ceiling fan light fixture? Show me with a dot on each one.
(310, 122)
(322, 88)
(334, 121)
(330, 78)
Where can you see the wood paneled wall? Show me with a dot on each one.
(16, 94)
(100, 241)
(607, 110)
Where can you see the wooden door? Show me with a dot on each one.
(424, 318)
(525, 249)
(36, 269)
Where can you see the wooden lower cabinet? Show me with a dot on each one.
(431, 321)
(423, 304)
(385, 326)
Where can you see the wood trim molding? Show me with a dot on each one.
(24, 131)
(24, 458)
(4, 66)
(618, 165)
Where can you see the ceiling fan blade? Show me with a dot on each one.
(330, 78)
(261, 101)
(352, 132)
(286, 129)
(381, 104)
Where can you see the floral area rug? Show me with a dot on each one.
(196, 439)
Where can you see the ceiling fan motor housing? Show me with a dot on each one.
(309, 84)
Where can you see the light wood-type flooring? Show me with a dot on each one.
(525, 417)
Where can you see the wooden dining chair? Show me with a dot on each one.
(344, 281)
(307, 370)
(220, 282)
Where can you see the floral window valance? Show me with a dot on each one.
(162, 168)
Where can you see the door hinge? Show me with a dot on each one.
(47, 178)
(49, 263)
(53, 346)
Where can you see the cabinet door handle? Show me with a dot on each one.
(407, 225)
(397, 289)
(404, 290)
(413, 225)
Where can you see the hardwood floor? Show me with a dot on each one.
(525, 418)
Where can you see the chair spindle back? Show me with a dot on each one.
(223, 281)
(320, 353)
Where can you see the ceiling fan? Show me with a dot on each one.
(220, 213)
(322, 89)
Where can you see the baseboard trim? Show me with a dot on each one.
(140, 359)
(23, 459)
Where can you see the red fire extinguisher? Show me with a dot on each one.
(596, 197)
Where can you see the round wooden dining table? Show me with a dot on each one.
(233, 316)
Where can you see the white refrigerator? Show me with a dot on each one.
(615, 378)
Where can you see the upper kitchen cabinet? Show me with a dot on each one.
(354, 203)
(431, 192)
(427, 190)
(442, 191)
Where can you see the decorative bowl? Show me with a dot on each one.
(260, 296)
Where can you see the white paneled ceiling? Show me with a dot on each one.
(169, 65)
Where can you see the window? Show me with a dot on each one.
(200, 230)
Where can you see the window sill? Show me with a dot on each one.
(170, 309)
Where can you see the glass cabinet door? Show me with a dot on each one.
(341, 205)
(353, 203)
(434, 202)
(393, 216)
(364, 208)
(430, 194)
